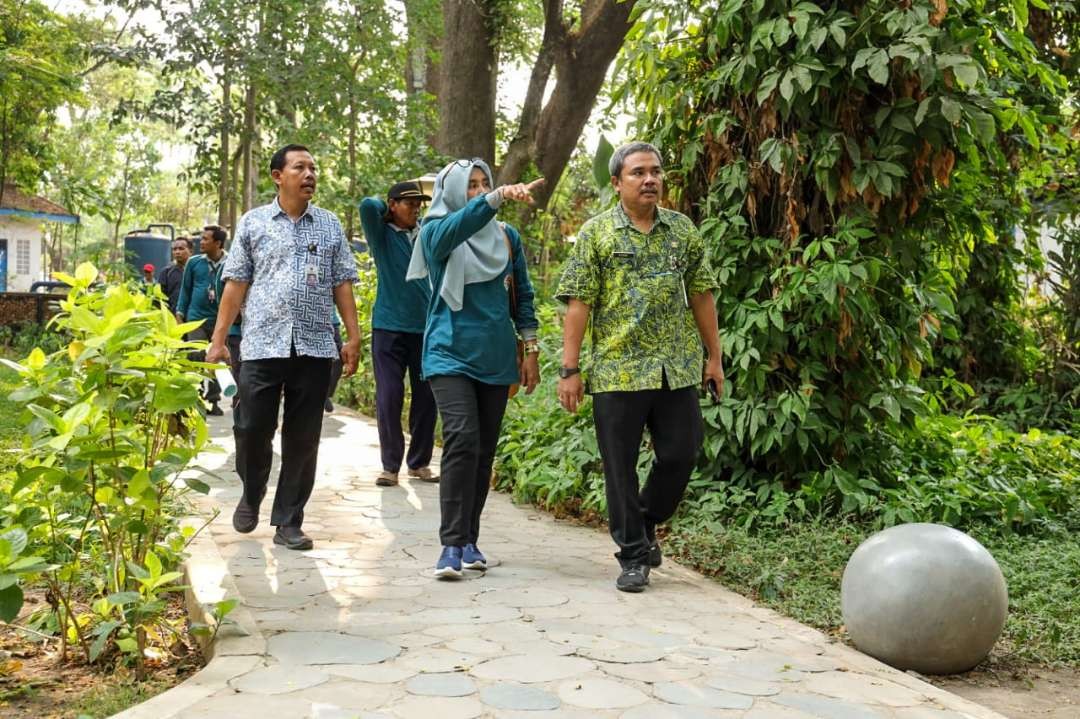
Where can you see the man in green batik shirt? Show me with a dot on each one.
(642, 274)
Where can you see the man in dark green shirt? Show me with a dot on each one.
(397, 333)
(200, 292)
(642, 274)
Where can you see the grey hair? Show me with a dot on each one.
(615, 164)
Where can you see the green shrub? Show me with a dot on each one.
(111, 424)
(960, 470)
(358, 391)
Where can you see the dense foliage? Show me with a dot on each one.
(860, 171)
(90, 509)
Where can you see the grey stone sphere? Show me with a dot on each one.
(924, 597)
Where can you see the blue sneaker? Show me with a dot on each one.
(449, 564)
(471, 558)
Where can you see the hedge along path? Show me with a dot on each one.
(357, 627)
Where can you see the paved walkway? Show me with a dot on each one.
(357, 628)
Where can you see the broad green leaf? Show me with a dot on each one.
(153, 565)
(36, 359)
(85, 273)
(119, 599)
(878, 67)
(951, 110)
(11, 601)
(601, 159)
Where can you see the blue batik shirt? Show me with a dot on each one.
(283, 311)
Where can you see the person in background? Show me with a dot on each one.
(148, 274)
(478, 268)
(200, 296)
(397, 334)
(289, 266)
(642, 273)
(171, 276)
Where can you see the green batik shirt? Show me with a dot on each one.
(638, 288)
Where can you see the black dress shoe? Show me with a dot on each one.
(292, 538)
(633, 579)
(656, 557)
(245, 517)
(215, 410)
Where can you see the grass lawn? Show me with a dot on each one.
(796, 570)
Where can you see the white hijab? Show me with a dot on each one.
(481, 258)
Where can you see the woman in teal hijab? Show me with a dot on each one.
(474, 265)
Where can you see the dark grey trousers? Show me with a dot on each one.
(472, 414)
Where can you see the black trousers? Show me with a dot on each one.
(675, 425)
(472, 414)
(235, 360)
(303, 382)
(392, 355)
(213, 389)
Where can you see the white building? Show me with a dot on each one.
(21, 218)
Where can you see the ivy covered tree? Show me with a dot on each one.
(854, 165)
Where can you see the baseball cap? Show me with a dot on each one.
(410, 189)
(148, 266)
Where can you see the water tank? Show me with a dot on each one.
(141, 248)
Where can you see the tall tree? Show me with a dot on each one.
(468, 79)
(40, 58)
(580, 46)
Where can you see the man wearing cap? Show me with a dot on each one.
(397, 333)
(148, 273)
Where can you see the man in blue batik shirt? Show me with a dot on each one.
(289, 265)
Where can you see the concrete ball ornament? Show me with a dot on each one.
(924, 597)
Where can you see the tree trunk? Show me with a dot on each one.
(118, 253)
(467, 82)
(353, 129)
(424, 45)
(250, 176)
(581, 62)
(224, 182)
(234, 191)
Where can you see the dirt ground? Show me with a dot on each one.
(1027, 693)
(35, 684)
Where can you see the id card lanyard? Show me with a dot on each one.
(215, 277)
(311, 269)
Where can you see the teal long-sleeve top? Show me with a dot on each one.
(194, 301)
(400, 304)
(479, 340)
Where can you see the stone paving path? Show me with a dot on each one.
(358, 628)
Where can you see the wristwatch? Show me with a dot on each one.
(532, 346)
(566, 372)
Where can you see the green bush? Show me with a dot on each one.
(358, 391)
(965, 471)
(111, 422)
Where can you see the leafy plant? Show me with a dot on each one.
(112, 423)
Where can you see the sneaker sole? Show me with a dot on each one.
(482, 566)
(299, 546)
(385, 483)
(632, 590)
(432, 480)
(448, 573)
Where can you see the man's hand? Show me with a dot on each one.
(714, 370)
(217, 352)
(530, 372)
(571, 392)
(350, 356)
